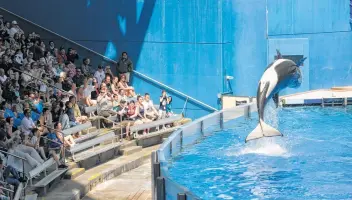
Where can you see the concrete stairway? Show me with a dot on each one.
(79, 181)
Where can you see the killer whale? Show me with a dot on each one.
(278, 75)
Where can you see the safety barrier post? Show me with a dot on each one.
(160, 184)
(155, 172)
(201, 127)
(249, 107)
(221, 120)
(181, 196)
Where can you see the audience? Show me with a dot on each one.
(44, 90)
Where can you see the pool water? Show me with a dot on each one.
(312, 161)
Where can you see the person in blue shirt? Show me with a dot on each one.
(55, 145)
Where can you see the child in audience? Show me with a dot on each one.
(169, 107)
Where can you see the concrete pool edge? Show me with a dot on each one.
(164, 187)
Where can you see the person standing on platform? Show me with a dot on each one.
(124, 66)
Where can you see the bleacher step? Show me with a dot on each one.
(74, 173)
(78, 188)
(44, 183)
(31, 197)
(130, 150)
(129, 144)
(89, 130)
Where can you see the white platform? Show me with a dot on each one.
(337, 95)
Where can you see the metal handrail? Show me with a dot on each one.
(19, 157)
(176, 91)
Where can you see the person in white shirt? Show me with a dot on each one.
(3, 77)
(27, 123)
(15, 29)
(149, 108)
(99, 75)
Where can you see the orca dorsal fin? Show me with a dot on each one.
(301, 62)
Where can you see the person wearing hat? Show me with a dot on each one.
(15, 29)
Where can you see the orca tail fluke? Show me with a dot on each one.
(262, 130)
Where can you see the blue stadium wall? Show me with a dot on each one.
(192, 45)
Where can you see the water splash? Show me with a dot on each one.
(264, 146)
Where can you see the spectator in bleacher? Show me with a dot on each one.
(10, 175)
(23, 147)
(108, 82)
(7, 28)
(72, 55)
(99, 75)
(55, 145)
(104, 102)
(2, 45)
(70, 113)
(76, 111)
(150, 111)
(9, 127)
(3, 77)
(29, 59)
(14, 42)
(169, 107)
(122, 95)
(27, 123)
(45, 120)
(51, 47)
(64, 119)
(162, 105)
(108, 71)
(79, 78)
(134, 117)
(47, 59)
(6, 63)
(115, 102)
(23, 40)
(122, 111)
(71, 70)
(88, 88)
(42, 46)
(15, 29)
(18, 58)
(25, 77)
(128, 89)
(141, 110)
(124, 66)
(86, 68)
(115, 85)
(35, 143)
(61, 56)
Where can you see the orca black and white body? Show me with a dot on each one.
(280, 74)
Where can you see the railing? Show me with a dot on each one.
(189, 98)
(23, 173)
(164, 188)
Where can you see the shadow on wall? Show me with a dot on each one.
(111, 27)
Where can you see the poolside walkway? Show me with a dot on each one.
(133, 185)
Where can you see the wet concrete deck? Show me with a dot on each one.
(133, 185)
